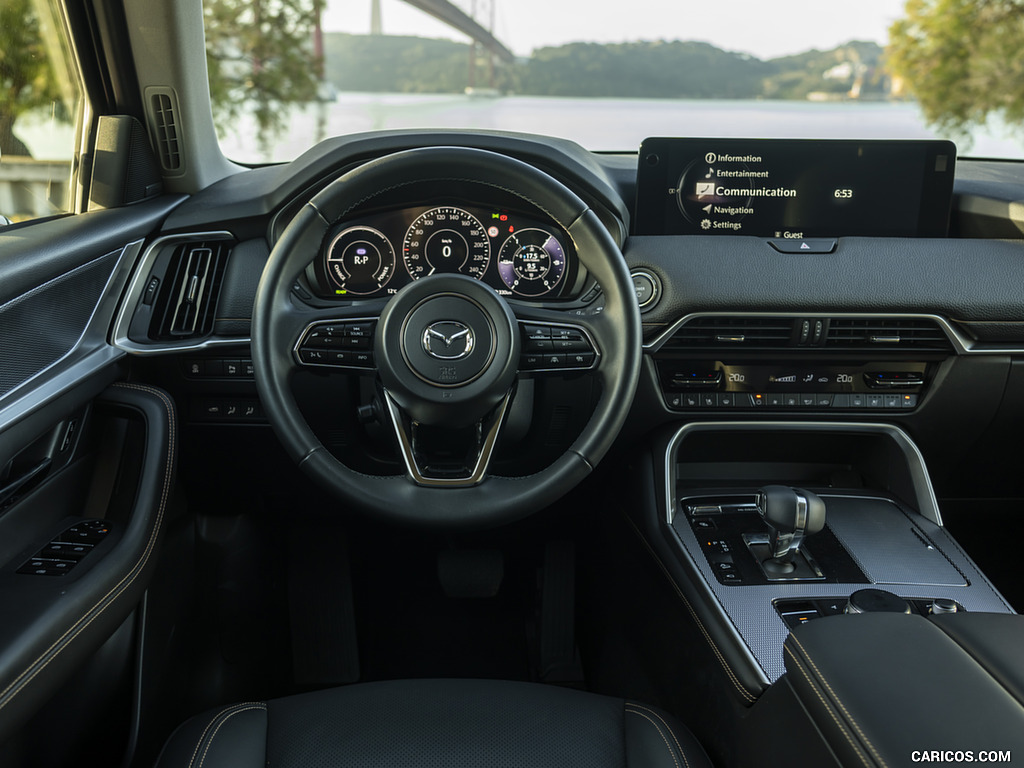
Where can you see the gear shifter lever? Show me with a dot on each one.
(791, 514)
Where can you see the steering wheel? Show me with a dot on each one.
(447, 350)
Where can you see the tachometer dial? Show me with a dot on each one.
(446, 240)
(531, 262)
(360, 260)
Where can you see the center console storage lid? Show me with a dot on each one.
(883, 687)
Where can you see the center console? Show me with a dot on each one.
(778, 524)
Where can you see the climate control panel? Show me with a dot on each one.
(789, 385)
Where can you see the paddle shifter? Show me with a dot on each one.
(791, 514)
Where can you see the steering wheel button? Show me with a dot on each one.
(313, 356)
(356, 342)
(537, 332)
(531, 361)
(570, 345)
(581, 359)
(338, 357)
(322, 340)
(362, 359)
(359, 330)
(538, 345)
(554, 361)
(571, 334)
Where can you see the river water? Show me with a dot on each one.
(607, 124)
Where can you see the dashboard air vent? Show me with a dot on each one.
(723, 332)
(168, 142)
(895, 333)
(186, 308)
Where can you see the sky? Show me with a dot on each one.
(763, 28)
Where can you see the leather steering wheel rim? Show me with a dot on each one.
(496, 500)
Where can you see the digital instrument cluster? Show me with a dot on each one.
(376, 255)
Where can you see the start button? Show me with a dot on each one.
(647, 288)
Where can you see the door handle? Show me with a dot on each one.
(10, 491)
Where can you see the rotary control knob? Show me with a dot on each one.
(876, 601)
(943, 605)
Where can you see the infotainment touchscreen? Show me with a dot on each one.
(794, 188)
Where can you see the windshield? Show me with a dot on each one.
(285, 74)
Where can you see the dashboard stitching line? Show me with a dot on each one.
(817, 692)
(19, 683)
(836, 698)
(238, 711)
(693, 614)
(660, 733)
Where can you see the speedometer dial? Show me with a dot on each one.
(531, 262)
(444, 240)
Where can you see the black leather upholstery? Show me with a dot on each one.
(880, 686)
(994, 640)
(443, 723)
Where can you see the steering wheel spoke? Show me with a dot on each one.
(446, 458)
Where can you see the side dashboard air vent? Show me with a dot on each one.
(187, 305)
(725, 332)
(892, 333)
(165, 127)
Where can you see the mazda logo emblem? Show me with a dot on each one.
(448, 340)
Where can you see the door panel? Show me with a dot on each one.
(76, 445)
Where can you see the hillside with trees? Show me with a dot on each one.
(645, 69)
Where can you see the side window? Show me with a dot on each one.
(40, 110)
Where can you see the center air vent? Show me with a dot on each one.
(187, 306)
(764, 332)
(733, 333)
(862, 333)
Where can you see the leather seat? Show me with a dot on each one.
(442, 723)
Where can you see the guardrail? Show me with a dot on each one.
(32, 188)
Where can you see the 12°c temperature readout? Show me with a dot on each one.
(531, 262)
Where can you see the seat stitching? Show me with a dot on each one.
(700, 625)
(658, 729)
(58, 645)
(671, 732)
(238, 711)
(209, 725)
(846, 712)
(839, 724)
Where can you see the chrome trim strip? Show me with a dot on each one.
(961, 343)
(928, 505)
(483, 458)
(31, 394)
(138, 286)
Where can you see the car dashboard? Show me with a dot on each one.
(882, 373)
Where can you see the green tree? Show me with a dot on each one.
(962, 60)
(260, 57)
(27, 80)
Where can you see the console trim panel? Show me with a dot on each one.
(747, 612)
